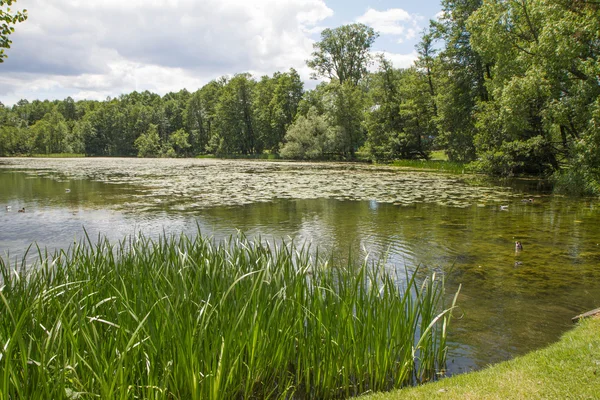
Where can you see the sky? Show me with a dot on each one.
(92, 49)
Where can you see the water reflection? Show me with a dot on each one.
(510, 302)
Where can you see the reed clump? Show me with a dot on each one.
(187, 318)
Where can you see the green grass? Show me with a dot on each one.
(433, 165)
(438, 162)
(568, 369)
(186, 318)
(263, 156)
(438, 155)
(59, 155)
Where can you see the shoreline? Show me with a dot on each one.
(568, 368)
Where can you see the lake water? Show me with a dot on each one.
(510, 302)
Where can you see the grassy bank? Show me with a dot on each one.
(185, 318)
(433, 165)
(263, 156)
(438, 162)
(568, 369)
(59, 155)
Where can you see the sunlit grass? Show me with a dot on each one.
(434, 165)
(59, 155)
(567, 369)
(262, 156)
(185, 318)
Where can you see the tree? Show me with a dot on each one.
(400, 123)
(309, 137)
(286, 98)
(178, 144)
(460, 74)
(263, 112)
(200, 114)
(543, 81)
(148, 144)
(50, 133)
(345, 107)
(235, 119)
(344, 53)
(7, 19)
(383, 120)
(276, 102)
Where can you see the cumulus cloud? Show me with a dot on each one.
(395, 21)
(98, 47)
(398, 60)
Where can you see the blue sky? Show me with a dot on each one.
(91, 49)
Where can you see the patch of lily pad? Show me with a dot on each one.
(187, 184)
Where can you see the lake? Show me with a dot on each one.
(510, 302)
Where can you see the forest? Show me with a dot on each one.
(510, 87)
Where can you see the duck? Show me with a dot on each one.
(518, 263)
(518, 246)
(504, 208)
(529, 200)
(67, 190)
(22, 210)
(8, 208)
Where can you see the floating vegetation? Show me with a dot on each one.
(186, 318)
(209, 182)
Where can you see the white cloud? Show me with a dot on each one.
(106, 47)
(399, 60)
(395, 21)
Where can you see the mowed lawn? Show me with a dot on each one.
(568, 369)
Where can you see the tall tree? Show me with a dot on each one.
(400, 124)
(200, 114)
(8, 18)
(346, 107)
(49, 133)
(149, 143)
(543, 59)
(276, 105)
(235, 119)
(344, 53)
(286, 98)
(263, 112)
(460, 79)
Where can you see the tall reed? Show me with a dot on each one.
(186, 318)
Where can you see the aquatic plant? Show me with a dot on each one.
(187, 318)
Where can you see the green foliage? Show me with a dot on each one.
(187, 318)
(308, 138)
(149, 143)
(346, 104)
(15, 141)
(540, 54)
(276, 106)
(509, 85)
(565, 370)
(400, 122)
(8, 18)
(50, 134)
(178, 144)
(235, 122)
(199, 115)
(343, 53)
(459, 79)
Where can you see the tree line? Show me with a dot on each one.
(509, 86)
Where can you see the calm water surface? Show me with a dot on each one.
(510, 303)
